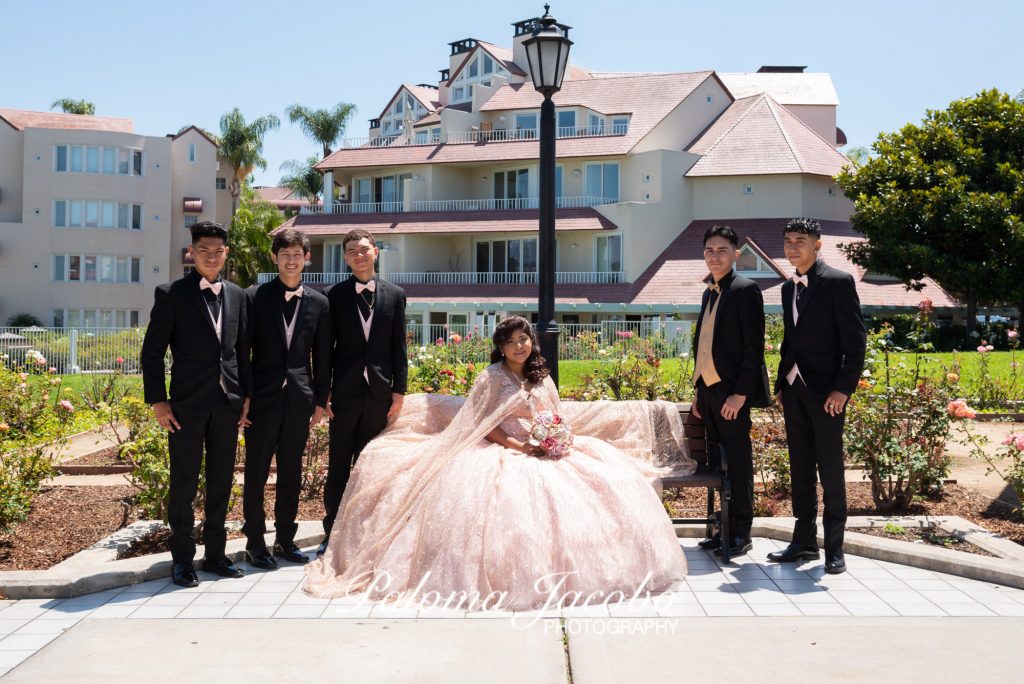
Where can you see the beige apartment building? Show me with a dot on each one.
(447, 180)
(93, 215)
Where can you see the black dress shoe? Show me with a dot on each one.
(322, 549)
(835, 566)
(793, 553)
(737, 546)
(710, 544)
(223, 567)
(290, 552)
(184, 575)
(261, 558)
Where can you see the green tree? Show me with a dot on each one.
(324, 126)
(69, 106)
(23, 320)
(945, 199)
(859, 155)
(241, 144)
(249, 238)
(303, 179)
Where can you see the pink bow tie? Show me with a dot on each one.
(800, 279)
(288, 294)
(371, 286)
(205, 284)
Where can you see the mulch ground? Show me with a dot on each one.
(106, 456)
(994, 516)
(916, 535)
(65, 520)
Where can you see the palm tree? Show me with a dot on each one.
(324, 126)
(69, 106)
(303, 179)
(241, 144)
(249, 238)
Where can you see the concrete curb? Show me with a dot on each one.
(97, 568)
(1006, 569)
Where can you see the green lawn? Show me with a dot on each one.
(935, 365)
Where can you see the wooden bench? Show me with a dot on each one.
(712, 474)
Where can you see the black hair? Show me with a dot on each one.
(534, 369)
(290, 237)
(808, 226)
(723, 232)
(208, 229)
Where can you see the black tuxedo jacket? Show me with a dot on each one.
(829, 342)
(306, 365)
(181, 320)
(383, 355)
(738, 345)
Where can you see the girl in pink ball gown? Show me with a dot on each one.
(451, 506)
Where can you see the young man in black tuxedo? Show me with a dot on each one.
(730, 375)
(370, 367)
(822, 357)
(202, 318)
(290, 340)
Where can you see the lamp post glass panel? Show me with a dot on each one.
(547, 52)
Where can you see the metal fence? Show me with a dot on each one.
(100, 350)
(70, 351)
(580, 342)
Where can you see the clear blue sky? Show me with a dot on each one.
(890, 61)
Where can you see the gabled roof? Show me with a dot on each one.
(22, 119)
(756, 135)
(785, 88)
(748, 241)
(426, 97)
(677, 275)
(431, 118)
(501, 54)
(649, 99)
(282, 198)
(198, 130)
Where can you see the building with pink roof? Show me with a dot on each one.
(447, 181)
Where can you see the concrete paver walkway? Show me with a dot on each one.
(750, 587)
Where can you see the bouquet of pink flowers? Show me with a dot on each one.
(549, 432)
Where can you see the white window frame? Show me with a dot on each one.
(764, 269)
(618, 184)
(622, 251)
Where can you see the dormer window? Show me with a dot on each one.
(478, 70)
(751, 265)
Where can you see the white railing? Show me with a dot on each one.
(458, 205)
(308, 278)
(73, 350)
(589, 341)
(504, 278)
(472, 137)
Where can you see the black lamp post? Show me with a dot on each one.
(547, 51)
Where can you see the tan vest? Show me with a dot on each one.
(705, 364)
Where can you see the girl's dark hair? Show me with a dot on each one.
(534, 368)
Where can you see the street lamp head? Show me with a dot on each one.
(547, 52)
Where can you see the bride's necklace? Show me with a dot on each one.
(522, 383)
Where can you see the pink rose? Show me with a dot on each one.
(456, 339)
(119, 360)
(66, 406)
(769, 347)
(40, 360)
(982, 349)
(1011, 334)
(1019, 443)
(549, 444)
(958, 408)
(52, 369)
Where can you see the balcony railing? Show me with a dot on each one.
(475, 137)
(457, 205)
(469, 278)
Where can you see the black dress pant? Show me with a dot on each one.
(275, 429)
(216, 429)
(734, 435)
(356, 421)
(815, 451)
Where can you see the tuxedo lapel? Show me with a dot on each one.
(723, 293)
(300, 317)
(380, 306)
(228, 322)
(204, 308)
(277, 311)
(812, 287)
